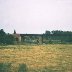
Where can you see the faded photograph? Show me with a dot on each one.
(35, 35)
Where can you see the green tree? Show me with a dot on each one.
(6, 38)
(2, 37)
(10, 39)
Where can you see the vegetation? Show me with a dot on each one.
(22, 68)
(55, 57)
(6, 38)
(5, 67)
(58, 37)
(49, 37)
(36, 58)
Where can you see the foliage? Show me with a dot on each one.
(55, 37)
(6, 38)
(10, 39)
(5, 67)
(22, 68)
(62, 36)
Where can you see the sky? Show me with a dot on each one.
(35, 16)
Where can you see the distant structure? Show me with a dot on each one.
(28, 38)
(17, 37)
(32, 38)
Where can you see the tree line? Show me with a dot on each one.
(6, 38)
(57, 35)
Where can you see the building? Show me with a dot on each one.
(17, 37)
(28, 38)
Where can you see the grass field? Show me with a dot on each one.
(36, 58)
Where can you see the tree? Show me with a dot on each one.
(47, 32)
(2, 36)
(6, 38)
(2, 33)
(10, 39)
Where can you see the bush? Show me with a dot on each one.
(22, 68)
(5, 67)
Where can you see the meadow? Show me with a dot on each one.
(36, 58)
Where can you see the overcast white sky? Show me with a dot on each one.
(35, 16)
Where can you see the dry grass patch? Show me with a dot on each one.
(54, 57)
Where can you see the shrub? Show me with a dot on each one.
(5, 67)
(22, 68)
